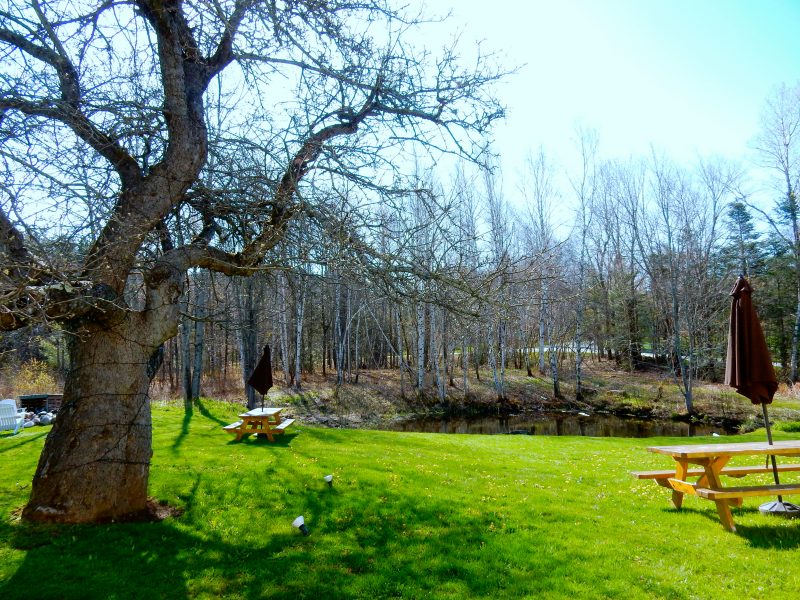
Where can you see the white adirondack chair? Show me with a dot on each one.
(10, 416)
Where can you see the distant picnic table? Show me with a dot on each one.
(259, 421)
(712, 460)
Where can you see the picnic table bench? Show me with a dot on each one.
(259, 421)
(712, 460)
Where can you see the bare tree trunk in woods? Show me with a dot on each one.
(432, 349)
(554, 372)
(492, 344)
(307, 352)
(283, 327)
(542, 328)
(225, 352)
(349, 334)
(677, 350)
(501, 335)
(400, 360)
(186, 344)
(420, 307)
(300, 308)
(357, 356)
(526, 353)
(476, 362)
(464, 366)
(579, 353)
(553, 364)
(795, 337)
(435, 351)
(584, 186)
(579, 316)
(174, 375)
(248, 342)
(338, 333)
(199, 339)
(446, 346)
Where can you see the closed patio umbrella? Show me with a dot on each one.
(261, 377)
(749, 370)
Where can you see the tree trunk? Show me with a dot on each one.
(684, 372)
(338, 332)
(542, 327)
(579, 317)
(248, 342)
(420, 347)
(300, 308)
(96, 460)
(501, 337)
(349, 335)
(283, 310)
(186, 345)
(434, 356)
(400, 361)
(199, 340)
(526, 355)
(357, 349)
(553, 364)
(464, 366)
(795, 338)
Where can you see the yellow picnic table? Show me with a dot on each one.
(712, 460)
(263, 421)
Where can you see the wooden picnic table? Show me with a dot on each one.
(712, 460)
(259, 421)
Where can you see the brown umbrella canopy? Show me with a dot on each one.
(749, 365)
(261, 378)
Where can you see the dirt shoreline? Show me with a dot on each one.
(377, 400)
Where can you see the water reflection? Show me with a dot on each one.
(558, 424)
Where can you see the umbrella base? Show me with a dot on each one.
(781, 509)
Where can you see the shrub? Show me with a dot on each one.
(34, 377)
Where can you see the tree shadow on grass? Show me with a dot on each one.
(187, 419)
(770, 535)
(207, 414)
(149, 560)
(22, 442)
(363, 543)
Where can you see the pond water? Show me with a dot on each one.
(558, 424)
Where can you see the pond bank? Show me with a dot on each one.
(379, 401)
(355, 408)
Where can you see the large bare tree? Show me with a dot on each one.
(106, 139)
(777, 145)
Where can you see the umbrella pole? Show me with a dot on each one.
(769, 440)
(780, 508)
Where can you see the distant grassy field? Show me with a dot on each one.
(409, 516)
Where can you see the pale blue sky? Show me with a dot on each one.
(686, 76)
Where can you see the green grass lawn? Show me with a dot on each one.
(409, 516)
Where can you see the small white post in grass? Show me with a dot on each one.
(300, 523)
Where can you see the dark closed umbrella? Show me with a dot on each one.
(261, 378)
(749, 365)
(749, 369)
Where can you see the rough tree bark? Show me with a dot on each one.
(104, 430)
